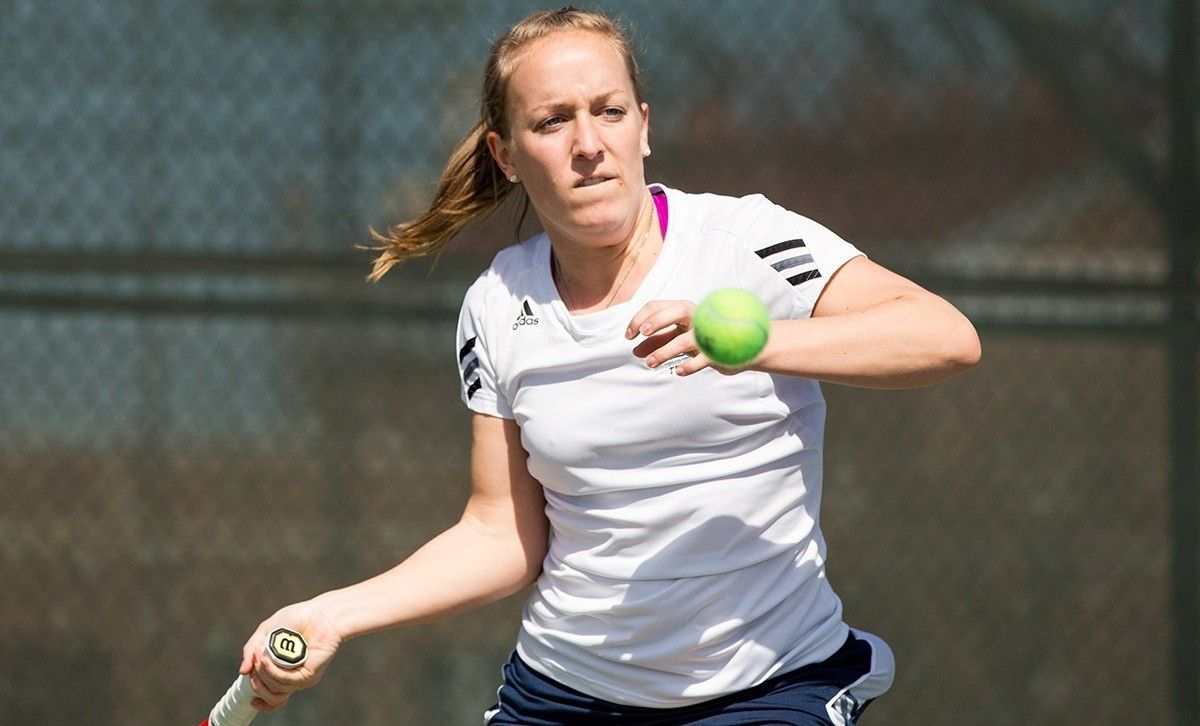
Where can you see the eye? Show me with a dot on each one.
(550, 123)
(613, 113)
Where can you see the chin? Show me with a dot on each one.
(596, 213)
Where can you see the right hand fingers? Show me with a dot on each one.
(263, 707)
(657, 315)
(271, 681)
(252, 648)
(267, 698)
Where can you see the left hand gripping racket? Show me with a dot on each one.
(288, 649)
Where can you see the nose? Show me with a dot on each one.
(587, 138)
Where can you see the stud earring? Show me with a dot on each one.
(645, 152)
(512, 178)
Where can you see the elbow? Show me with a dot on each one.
(518, 575)
(951, 342)
(533, 555)
(522, 580)
(954, 348)
(531, 576)
(963, 350)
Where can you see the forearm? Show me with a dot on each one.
(902, 343)
(467, 566)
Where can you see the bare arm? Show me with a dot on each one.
(873, 328)
(494, 550)
(870, 327)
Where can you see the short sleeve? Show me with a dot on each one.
(477, 375)
(801, 252)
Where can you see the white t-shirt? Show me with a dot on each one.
(685, 559)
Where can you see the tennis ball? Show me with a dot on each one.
(731, 326)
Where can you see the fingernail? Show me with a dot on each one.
(646, 329)
(650, 362)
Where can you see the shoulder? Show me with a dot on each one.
(509, 275)
(757, 224)
(712, 211)
(755, 217)
(517, 260)
(748, 217)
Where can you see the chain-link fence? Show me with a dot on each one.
(205, 413)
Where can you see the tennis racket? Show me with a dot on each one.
(288, 649)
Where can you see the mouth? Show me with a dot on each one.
(592, 181)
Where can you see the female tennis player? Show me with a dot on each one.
(666, 512)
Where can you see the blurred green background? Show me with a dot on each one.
(206, 413)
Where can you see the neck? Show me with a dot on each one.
(595, 277)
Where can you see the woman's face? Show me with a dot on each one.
(576, 137)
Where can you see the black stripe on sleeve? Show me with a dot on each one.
(473, 388)
(470, 369)
(804, 277)
(792, 262)
(790, 244)
(467, 348)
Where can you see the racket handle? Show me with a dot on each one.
(234, 707)
(287, 649)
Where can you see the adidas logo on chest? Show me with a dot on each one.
(525, 316)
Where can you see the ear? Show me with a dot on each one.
(500, 153)
(645, 133)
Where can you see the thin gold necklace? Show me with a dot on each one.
(613, 295)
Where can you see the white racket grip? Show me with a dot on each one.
(234, 707)
(287, 649)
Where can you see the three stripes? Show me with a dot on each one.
(469, 362)
(786, 259)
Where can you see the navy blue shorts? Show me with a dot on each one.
(812, 695)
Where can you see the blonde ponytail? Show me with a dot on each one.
(471, 187)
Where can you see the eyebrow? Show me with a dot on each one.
(555, 105)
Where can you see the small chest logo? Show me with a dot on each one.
(669, 366)
(525, 317)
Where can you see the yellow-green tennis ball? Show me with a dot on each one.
(731, 326)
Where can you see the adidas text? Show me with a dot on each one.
(524, 320)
